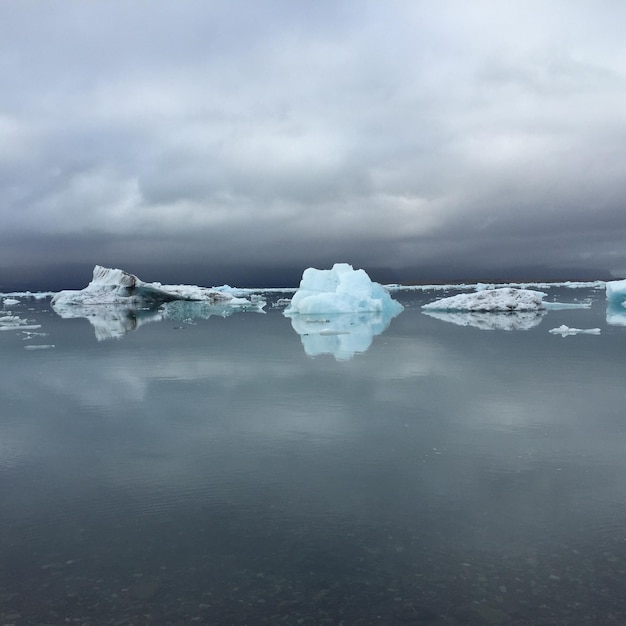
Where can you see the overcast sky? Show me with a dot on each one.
(243, 141)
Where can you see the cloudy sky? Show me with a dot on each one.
(242, 141)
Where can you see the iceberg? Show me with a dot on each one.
(616, 291)
(115, 286)
(339, 311)
(502, 300)
(566, 331)
(341, 289)
(116, 302)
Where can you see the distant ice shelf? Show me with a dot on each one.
(569, 284)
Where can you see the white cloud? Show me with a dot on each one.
(405, 124)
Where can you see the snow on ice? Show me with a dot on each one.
(115, 286)
(116, 302)
(506, 299)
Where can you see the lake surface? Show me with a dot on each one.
(211, 471)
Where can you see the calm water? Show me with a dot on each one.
(213, 472)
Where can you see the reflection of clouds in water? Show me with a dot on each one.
(245, 387)
(519, 320)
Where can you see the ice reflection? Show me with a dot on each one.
(342, 335)
(113, 321)
(109, 321)
(615, 314)
(516, 320)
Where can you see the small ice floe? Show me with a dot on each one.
(281, 302)
(29, 334)
(566, 331)
(9, 302)
(14, 322)
(39, 347)
(559, 306)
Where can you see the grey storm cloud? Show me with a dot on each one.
(400, 134)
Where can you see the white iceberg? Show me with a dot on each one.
(503, 300)
(341, 289)
(115, 286)
(9, 302)
(116, 302)
(566, 331)
(515, 320)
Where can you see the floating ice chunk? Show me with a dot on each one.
(341, 289)
(515, 320)
(507, 299)
(616, 291)
(565, 331)
(14, 322)
(10, 319)
(39, 347)
(557, 306)
(115, 286)
(9, 302)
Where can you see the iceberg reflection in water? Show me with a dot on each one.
(517, 320)
(113, 321)
(343, 335)
(109, 321)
